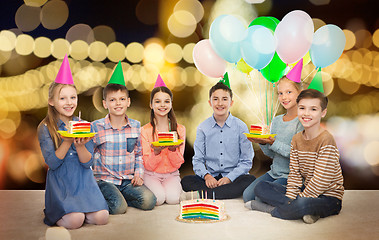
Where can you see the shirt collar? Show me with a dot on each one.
(228, 121)
(108, 125)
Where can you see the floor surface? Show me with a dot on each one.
(21, 218)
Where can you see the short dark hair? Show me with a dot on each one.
(312, 93)
(220, 85)
(114, 88)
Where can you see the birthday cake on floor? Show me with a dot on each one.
(79, 127)
(167, 137)
(259, 129)
(202, 210)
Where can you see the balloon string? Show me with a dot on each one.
(309, 74)
(255, 95)
(266, 89)
(272, 101)
(259, 99)
(260, 95)
(247, 106)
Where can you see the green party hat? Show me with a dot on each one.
(225, 80)
(317, 82)
(117, 76)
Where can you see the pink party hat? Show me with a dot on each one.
(159, 82)
(64, 75)
(295, 73)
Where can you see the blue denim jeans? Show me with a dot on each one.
(226, 191)
(118, 197)
(286, 208)
(249, 195)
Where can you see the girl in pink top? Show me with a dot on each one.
(162, 163)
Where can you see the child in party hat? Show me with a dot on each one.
(223, 155)
(315, 182)
(118, 152)
(285, 126)
(162, 163)
(72, 195)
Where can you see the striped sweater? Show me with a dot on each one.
(314, 163)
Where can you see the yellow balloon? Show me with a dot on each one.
(306, 59)
(243, 66)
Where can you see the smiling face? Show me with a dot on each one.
(220, 102)
(117, 102)
(161, 104)
(65, 101)
(309, 112)
(287, 94)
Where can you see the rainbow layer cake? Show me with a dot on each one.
(78, 127)
(259, 129)
(167, 137)
(202, 209)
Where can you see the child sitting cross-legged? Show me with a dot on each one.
(223, 155)
(315, 182)
(118, 152)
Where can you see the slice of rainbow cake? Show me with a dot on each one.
(166, 137)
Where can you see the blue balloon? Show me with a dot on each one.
(258, 47)
(225, 35)
(327, 46)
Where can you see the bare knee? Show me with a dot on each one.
(72, 220)
(101, 217)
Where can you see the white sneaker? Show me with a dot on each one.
(309, 219)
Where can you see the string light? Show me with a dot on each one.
(88, 47)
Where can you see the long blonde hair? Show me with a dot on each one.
(52, 116)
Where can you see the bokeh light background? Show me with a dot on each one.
(158, 36)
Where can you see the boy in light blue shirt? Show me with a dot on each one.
(223, 154)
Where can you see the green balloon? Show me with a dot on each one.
(268, 22)
(274, 70)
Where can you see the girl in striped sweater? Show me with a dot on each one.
(315, 182)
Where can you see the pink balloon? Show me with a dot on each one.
(294, 36)
(207, 61)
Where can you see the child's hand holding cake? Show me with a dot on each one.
(259, 130)
(270, 140)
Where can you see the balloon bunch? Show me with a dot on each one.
(271, 47)
(268, 45)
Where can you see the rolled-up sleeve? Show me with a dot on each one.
(89, 146)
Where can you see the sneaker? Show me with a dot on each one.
(310, 218)
(248, 205)
(189, 195)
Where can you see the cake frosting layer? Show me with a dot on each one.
(76, 127)
(202, 209)
(259, 129)
(255, 129)
(167, 137)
